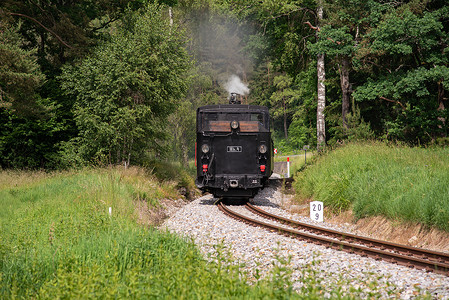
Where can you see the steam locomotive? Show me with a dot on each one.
(234, 149)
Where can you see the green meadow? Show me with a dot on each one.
(58, 240)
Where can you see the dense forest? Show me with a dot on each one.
(118, 82)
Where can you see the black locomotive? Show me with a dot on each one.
(234, 150)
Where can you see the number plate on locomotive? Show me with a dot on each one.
(234, 148)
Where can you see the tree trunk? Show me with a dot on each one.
(268, 69)
(441, 107)
(345, 89)
(285, 119)
(321, 91)
(129, 153)
(185, 154)
(170, 15)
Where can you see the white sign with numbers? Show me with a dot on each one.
(316, 211)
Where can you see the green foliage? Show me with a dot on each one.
(412, 72)
(58, 241)
(28, 124)
(63, 31)
(282, 25)
(334, 42)
(182, 123)
(118, 63)
(20, 75)
(442, 142)
(356, 130)
(290, 99)
(404, 32)
(302, 129)
(28, 142)
(125, 91)
(283, 100)
(299, 95)
(399, 183)
(38, 38)
(300, 134)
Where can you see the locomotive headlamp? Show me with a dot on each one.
(205, 148)
(234, 124)
(263, 149)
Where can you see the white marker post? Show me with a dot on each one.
(316, 211)
(288, 167)
(110, 211)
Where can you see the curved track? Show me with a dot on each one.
(404, 255)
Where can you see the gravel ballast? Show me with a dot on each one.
(330, 270)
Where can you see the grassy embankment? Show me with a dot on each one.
(57, 240)
(400, 183)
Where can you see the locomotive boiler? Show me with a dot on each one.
(234, 149)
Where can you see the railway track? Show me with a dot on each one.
(428, 260)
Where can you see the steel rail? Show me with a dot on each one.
(434, 256)
(377, 254)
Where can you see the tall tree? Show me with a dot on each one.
(407, 57)
(20, 75)
(127, 88)
(27, 122)
(321, 89)
(62, 30)
(49, 33)
(345, 24)
(282, 101)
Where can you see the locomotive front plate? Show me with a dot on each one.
(234, 148)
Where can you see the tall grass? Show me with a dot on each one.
(57, 240)
(409, 184)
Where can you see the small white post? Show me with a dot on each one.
(288, 167)
(316, 211)
(110, 211)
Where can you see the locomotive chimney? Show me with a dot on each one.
(235, 99)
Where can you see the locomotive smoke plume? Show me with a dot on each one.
(235, 85)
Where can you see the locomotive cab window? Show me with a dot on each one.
(258, 118)
(206, 118)
(220, 121)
